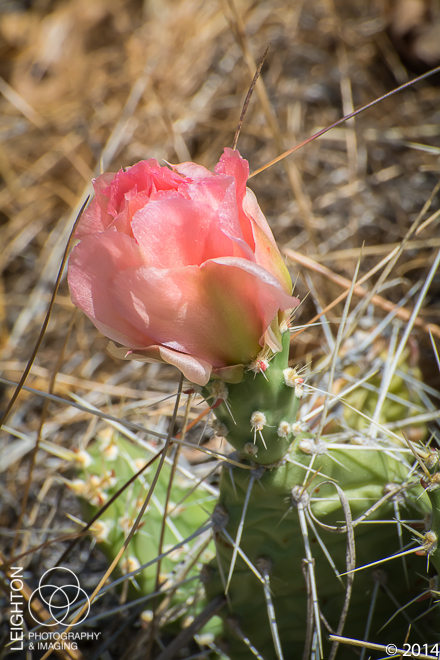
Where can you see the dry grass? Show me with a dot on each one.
(98, 85)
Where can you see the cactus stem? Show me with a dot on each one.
(401, 609)
(243, 556)
(233, 624)
(331, 457)
(231, 477)
(410, 551)
(311, 446)
(219, 518)
(240, 530)
(391, 492)
(301, 498)
(378, 579)
(219, 395)
(264, 566)
(324, 549)
(432, 489)
(307, 468)
(421, 457)
(400, 537)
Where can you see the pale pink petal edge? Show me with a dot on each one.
(253, 211)
(191, 170)
(194, 369)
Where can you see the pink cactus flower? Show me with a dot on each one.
(179, 265)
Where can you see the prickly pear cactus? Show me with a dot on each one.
(257, 413)
(324, 537)
(306, 527)
(111, 462)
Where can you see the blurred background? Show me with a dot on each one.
(92, 85)
(86, 86)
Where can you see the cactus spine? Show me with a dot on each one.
(297, 515)
(112, 461)
(303, 527)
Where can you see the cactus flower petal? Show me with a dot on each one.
(180, 265)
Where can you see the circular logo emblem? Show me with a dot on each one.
(61, 593)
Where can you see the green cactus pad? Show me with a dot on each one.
(111, 465)
(272, 531)
(265, 393)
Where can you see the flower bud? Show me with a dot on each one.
(179, 265)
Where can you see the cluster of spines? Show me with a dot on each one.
(108, 464)
(353, 472)
(298, 481)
